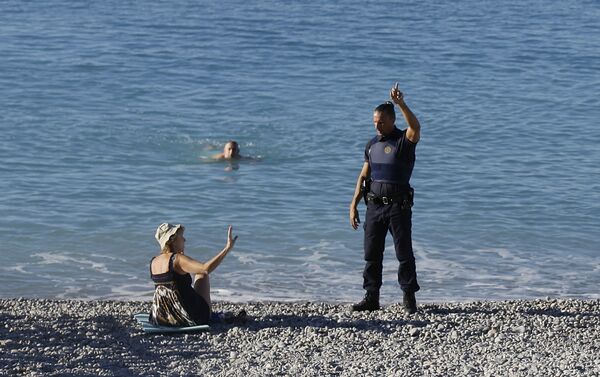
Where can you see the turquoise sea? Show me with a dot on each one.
(109, 111)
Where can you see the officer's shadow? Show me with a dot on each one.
(323, 322)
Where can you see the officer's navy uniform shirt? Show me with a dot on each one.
(391, 159)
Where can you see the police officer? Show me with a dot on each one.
(389, 161)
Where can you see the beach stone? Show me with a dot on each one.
(296, 344)
(520, 329)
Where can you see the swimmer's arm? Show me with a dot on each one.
(364, 174)
(249, 158)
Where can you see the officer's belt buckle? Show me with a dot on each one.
(385, 200)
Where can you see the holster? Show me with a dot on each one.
(365, 189)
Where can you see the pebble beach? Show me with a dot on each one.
(550, 337)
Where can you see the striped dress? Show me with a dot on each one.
(175, 302)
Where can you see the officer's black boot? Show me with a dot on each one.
(410, 303)
(370, 303)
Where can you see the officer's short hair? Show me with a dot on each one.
(386, 108)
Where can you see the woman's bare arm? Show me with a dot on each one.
(191, 265)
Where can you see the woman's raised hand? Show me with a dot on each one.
(230, 238)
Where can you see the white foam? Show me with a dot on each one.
(137, 292)
(20, 268)
(324, 270)
(72, 260)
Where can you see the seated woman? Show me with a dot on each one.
(178, 299)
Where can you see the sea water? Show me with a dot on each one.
(110, 112)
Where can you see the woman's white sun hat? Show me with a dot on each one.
(164, 233)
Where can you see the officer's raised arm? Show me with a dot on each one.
(413, 132)
(364, 174)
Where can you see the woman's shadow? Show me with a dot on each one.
(324, 322)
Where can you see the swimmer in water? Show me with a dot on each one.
(231, 151)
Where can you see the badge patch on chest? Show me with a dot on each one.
(387, 149)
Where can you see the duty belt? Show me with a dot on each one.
(405, 198)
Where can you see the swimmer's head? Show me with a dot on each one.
(231, 150)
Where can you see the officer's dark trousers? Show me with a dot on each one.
(380, 219)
